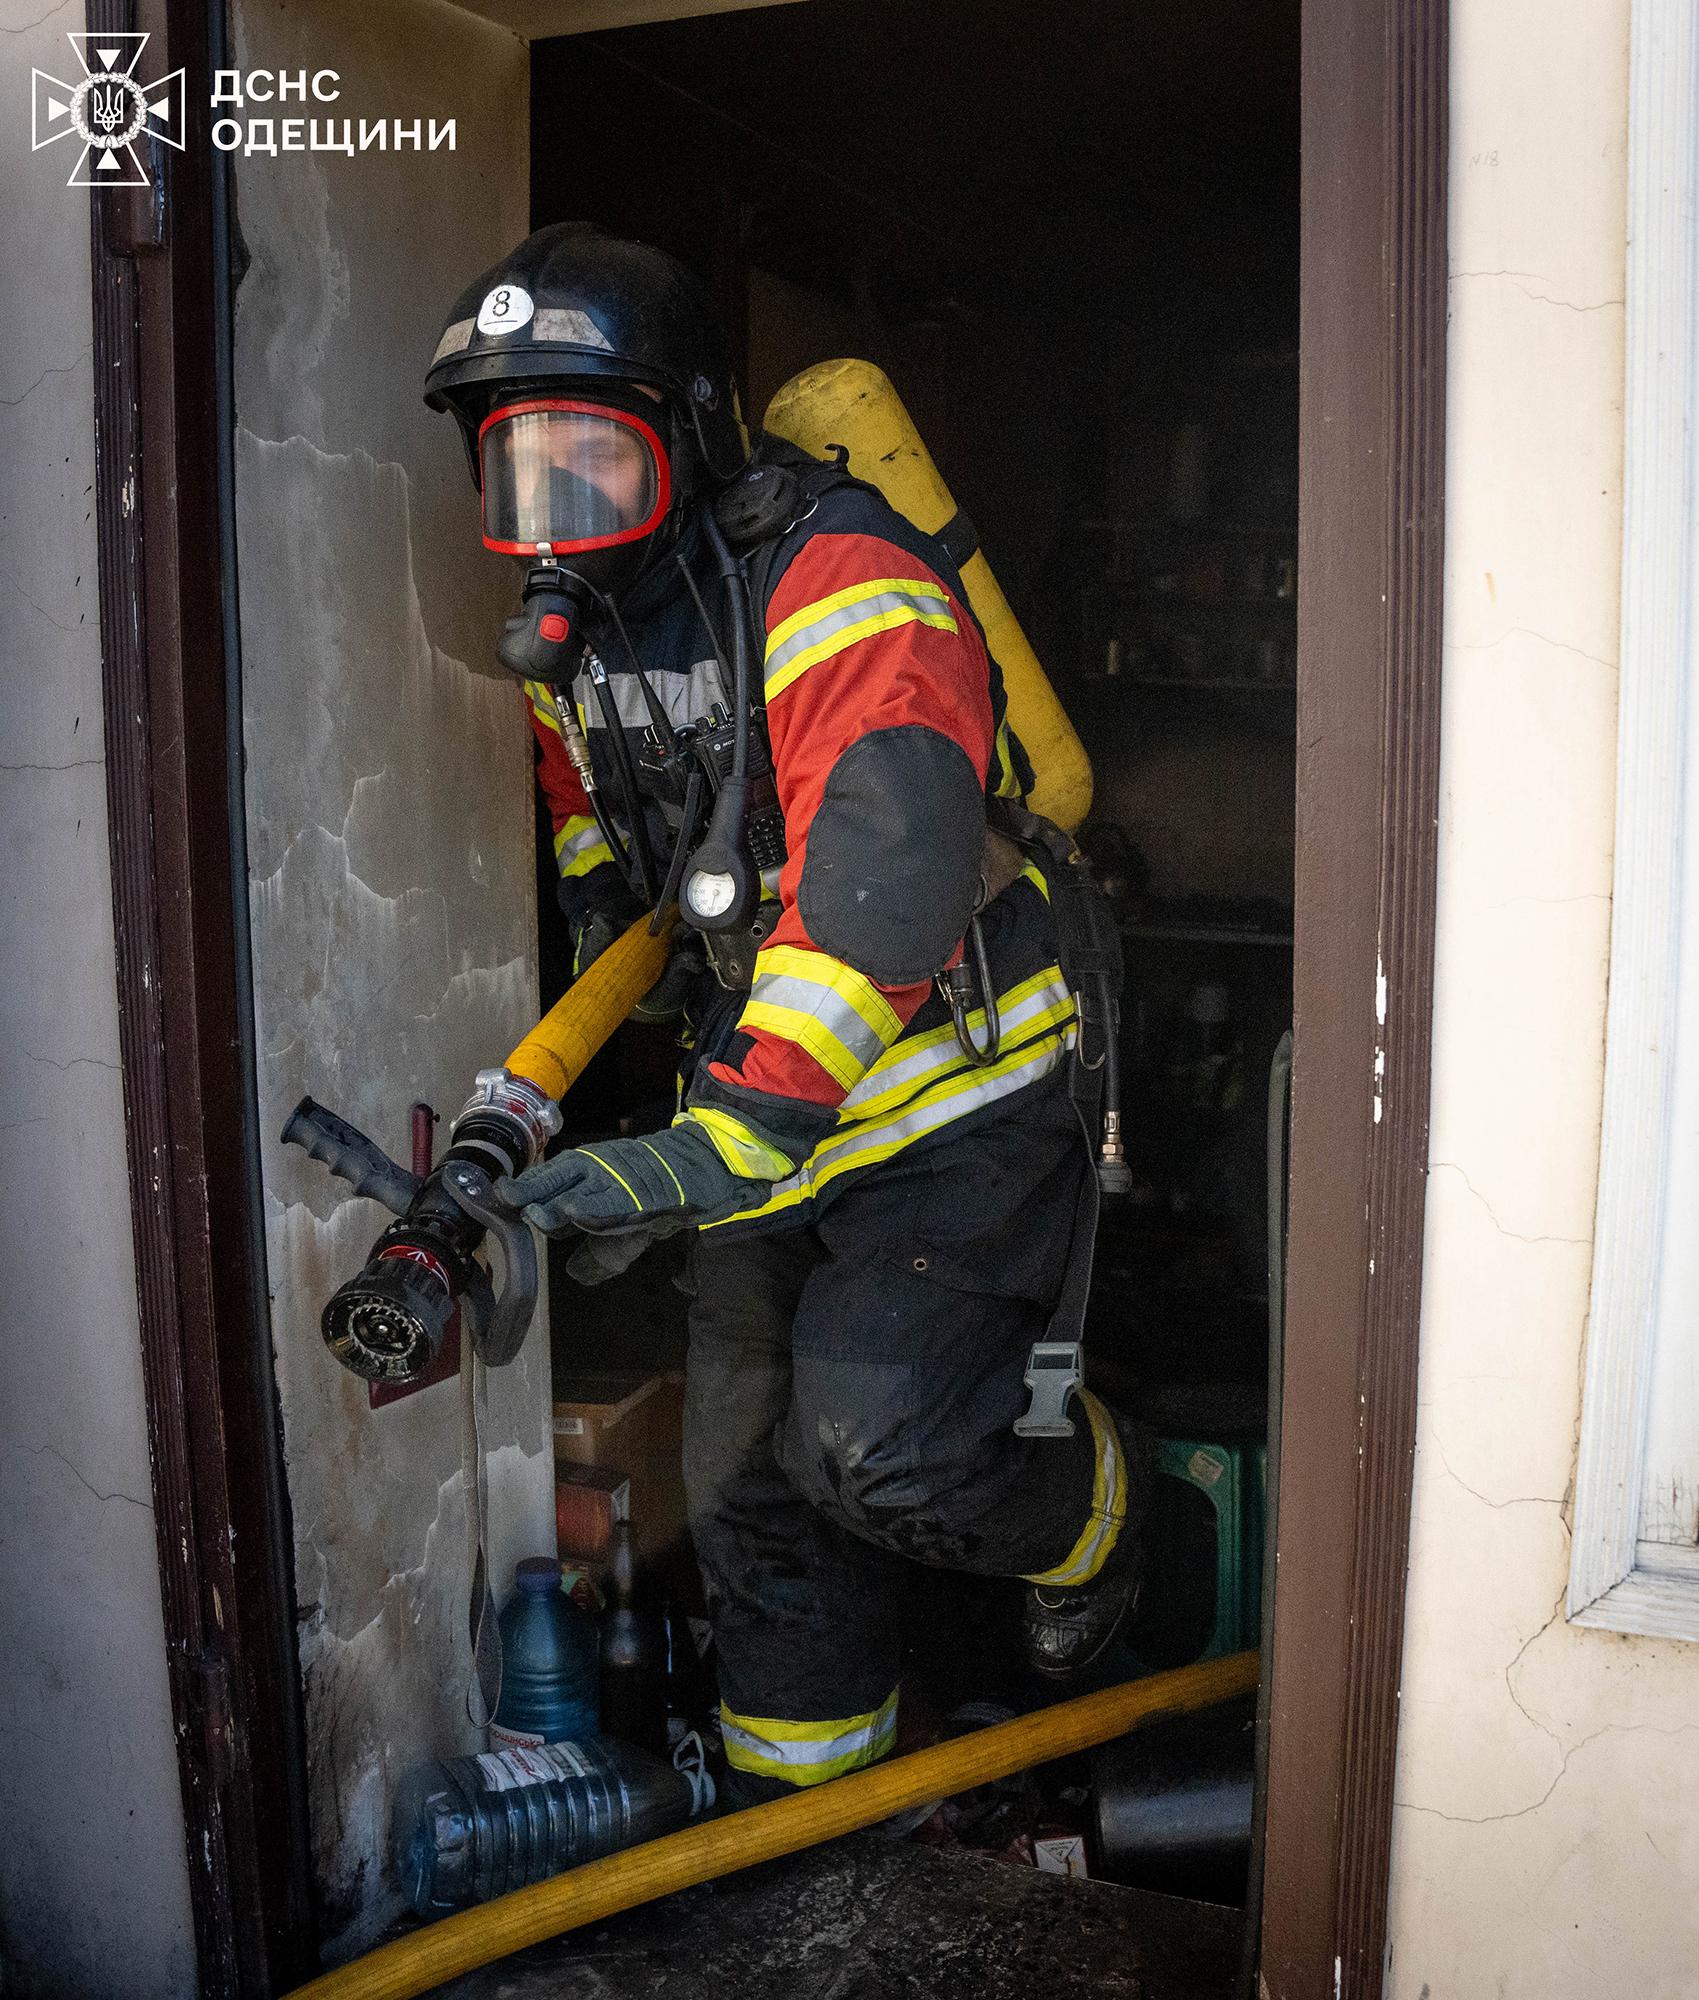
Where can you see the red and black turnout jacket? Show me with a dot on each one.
(885, 715)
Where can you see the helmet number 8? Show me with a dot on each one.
(504, 310)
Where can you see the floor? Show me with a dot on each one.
(874, 1919)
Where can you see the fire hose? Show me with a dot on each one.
(388, 1322)
(716, 1847)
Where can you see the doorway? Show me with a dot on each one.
(1076, 256)
(1370, 341)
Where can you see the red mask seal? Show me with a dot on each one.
(564, 477)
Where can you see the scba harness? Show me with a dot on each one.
(779, 490)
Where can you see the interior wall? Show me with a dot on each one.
(390, 826)
(1546, 1842)
(94, 1886)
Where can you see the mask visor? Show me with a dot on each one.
(575, 476)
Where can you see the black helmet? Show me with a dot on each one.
(569, 304)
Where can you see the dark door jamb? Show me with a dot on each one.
(162, 433)
(1371, 470)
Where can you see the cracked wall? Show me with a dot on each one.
(1546, 1845)
(95, 1900)
(391, 855)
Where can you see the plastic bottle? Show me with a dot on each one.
(548, 1663)
(633, 1656)
(469, 1828)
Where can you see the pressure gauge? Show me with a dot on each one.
(709, 894)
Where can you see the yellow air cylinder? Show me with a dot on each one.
(852, 403)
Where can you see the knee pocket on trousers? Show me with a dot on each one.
(898, 1471)
(846, 1441)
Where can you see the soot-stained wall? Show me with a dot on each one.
(391, 850)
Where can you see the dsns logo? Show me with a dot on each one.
(109, 110)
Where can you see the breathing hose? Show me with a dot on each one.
(716, 1847)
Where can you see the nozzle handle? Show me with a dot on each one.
(350, 1155)
(498, 1329)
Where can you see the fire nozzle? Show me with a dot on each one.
(387, 1323)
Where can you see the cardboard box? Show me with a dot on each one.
(1059, 1854)
(633, 1426)
(589, 1499)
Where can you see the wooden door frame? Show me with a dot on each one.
(1371, 520)
(171, 708)
(1372, 457)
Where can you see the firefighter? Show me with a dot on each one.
(877, 1150)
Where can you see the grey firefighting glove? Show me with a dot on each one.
(627, 1193)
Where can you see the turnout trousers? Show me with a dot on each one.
(852, 1387)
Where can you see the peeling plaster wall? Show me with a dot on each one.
(1546, 1837)
(94, 1886)
(390, 830)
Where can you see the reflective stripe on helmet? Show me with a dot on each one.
(831, 624)
(808, 1753)
(1108, 1503)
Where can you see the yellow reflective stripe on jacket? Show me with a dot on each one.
(1040, 1002)
(1108, 1503)
(876, 1139)
(579, 847)
(945, 1102)
(745, 1152)
(826, 627)
(808, 1753)
(823, 1005)
(542, 705)
(1008, 786)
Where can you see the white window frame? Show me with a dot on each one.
(1616, 1579)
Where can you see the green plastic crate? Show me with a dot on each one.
(1204, 1579)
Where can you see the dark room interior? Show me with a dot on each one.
(1102, 359)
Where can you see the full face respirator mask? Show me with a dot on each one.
(582, 487)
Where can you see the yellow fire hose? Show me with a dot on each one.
(461, 1943)
(558, 1049)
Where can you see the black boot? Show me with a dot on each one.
(1065, 1627)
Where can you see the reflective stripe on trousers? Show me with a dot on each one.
(1108, 1503)
(808, 1753)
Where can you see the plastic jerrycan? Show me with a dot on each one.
(466, 1829)
(549, 1669)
